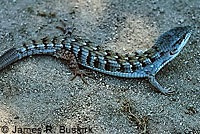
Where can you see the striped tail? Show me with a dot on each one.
(8, 58)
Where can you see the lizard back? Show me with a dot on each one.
(106, 61)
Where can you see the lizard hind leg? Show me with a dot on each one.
(66, 30)
(81, 75)
(70, 60)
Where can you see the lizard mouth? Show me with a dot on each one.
(173, 52)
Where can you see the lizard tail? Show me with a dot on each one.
(8, 58)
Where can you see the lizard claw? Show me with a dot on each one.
(66, 30)
(159, 88)
(170, 92)
(81, 74)
(167, 92)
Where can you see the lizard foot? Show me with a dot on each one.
(159, 88)
(81, 74)
(66, 30)
(167, 92)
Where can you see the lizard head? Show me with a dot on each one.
(172, 41)
(169, 45)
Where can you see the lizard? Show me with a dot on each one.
(75, 51)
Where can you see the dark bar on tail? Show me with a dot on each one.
(8, 58)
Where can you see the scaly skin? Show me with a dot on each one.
(76, 50)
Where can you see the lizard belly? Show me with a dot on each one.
(135, 74)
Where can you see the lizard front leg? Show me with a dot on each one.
(157, 85)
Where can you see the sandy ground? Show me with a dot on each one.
(37, 92)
